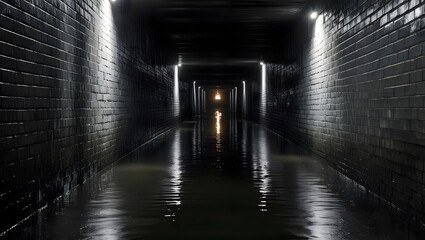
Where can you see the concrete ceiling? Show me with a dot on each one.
(210, 31)
(215, 33)
(224, 75)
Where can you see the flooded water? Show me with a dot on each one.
(217, 178)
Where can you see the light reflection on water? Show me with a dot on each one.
(218, 116)
(261, 169)
(204, 182)
(320, 207)
(107, 221)
(175, 181)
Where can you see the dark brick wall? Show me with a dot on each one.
(75, 96)
(356, 97)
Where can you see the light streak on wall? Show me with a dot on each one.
(176, 96)
(263, 93)
(236, 99)
(243, 98)
(194, 98)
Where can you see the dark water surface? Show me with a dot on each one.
(204, 181)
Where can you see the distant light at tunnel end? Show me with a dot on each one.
(217, 96)
(179, 64)
(313, 15)
(261, 63)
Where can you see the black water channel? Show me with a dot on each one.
(217, 178)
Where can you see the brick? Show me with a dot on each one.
(378, 96)
(421, 114)
(416, 102)
(70, 91)
(416, 76)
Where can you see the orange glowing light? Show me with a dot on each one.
(217, 96)
(217, 121)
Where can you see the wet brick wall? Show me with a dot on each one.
(357, 97)
(74, 96)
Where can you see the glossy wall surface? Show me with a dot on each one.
(356, 97)
(75, 96)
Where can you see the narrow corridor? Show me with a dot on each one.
(217, 178)
(206, 119)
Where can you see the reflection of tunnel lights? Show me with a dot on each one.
(175, 172)
(313, 15)
(217, 123)
(217, 96)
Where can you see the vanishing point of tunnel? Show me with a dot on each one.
(212, 119)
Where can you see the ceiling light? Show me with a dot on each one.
(261, 63)
(217, 96)
(313, 15)
(179, 64)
